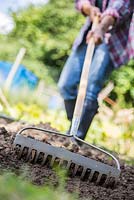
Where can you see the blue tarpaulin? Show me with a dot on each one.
(22, 78)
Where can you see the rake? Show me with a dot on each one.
(87, 168)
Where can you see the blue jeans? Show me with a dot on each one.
(100, 69)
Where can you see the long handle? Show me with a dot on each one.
(83, 83)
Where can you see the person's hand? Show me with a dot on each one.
(91, 11)
(97, 34)
(94, 11)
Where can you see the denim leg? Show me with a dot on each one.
(100, 70)
(70, 76)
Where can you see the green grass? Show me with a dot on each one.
(15, 188)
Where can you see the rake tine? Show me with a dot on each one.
(83, 173)
(32, 156)
(64, 163)
(91, 175)
(75, 169)
(52, 161)
(20, 152)
(28, 155)
(99, 178)
(106, 181)
(44, 159)
(68, 165)
(36, 156)
(61, 162)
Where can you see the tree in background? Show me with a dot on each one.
(48, 32)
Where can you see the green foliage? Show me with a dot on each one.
(123, 79)
(49, 33)
(34, 113)
(14, 188)
(113, 132)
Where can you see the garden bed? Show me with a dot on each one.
(40, 175)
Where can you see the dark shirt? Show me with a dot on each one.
(99, 4)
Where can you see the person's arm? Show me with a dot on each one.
(119, 9)
(85, 7)
(101, 29)
(79, 4)
(107, 22)
(116, 13)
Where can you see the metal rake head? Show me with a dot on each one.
(36, 151)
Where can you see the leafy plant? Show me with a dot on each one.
(123, 79)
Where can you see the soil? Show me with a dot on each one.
(39, 175)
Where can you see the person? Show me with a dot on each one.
(111, 41)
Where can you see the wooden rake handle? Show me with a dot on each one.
(85, 73)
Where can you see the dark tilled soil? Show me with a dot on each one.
(40, 175)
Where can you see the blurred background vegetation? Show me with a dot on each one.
(47, 32)
(20, 189)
